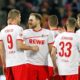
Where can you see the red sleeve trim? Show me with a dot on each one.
(1, 40)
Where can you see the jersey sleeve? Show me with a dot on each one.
(20, 35)
(50, 38)
(56, 42)
(78, 40)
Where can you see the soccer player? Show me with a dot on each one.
(67, 46)
(78, 33)
(37, 62)
(13, 58)
(53, 25)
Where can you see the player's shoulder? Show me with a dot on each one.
(52, 31)
(47, 31)
(17, 27)
(27, 30)
(61, 34)
(14, 27)
(3, 29)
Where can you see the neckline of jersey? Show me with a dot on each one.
(37, 30)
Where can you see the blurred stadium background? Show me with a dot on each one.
(62, 8)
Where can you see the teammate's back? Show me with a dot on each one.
(67, 44)
(9, 35)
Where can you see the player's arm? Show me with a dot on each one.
(53, 57)
(50, 45)
(50, 41)
(2, 55)
(22, 46)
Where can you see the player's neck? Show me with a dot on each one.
(70, 30)
(53, 28)
(37, 28)
(12, 23)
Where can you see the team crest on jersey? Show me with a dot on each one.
(44, 35)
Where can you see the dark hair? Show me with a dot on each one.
(37, 15)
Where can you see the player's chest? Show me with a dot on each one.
(39, 39)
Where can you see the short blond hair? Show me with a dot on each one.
(71, 22)
(53, 20)
(13, 14)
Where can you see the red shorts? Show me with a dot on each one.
(15, 73)
(51, 74)
(79, 72)
(51, 71)
(69, 77)
(56, 77)
(35, 72)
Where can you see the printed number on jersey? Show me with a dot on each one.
(67, 46)
(10, 41)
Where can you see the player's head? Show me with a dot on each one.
(71, 23)
(53, 21)
(14, 17)
(78, 19)
(34, 20)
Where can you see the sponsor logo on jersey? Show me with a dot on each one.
(35, 41)
(44, 35)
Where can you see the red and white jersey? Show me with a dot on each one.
(40, 38)
(68, 46)
(78, 33)
(8, 36)
(55, 33)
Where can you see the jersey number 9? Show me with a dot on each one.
(10, 41)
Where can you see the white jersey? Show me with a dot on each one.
(8, 36)
(78, 34)
(41, 38)
(55, 33)
(67, 45)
